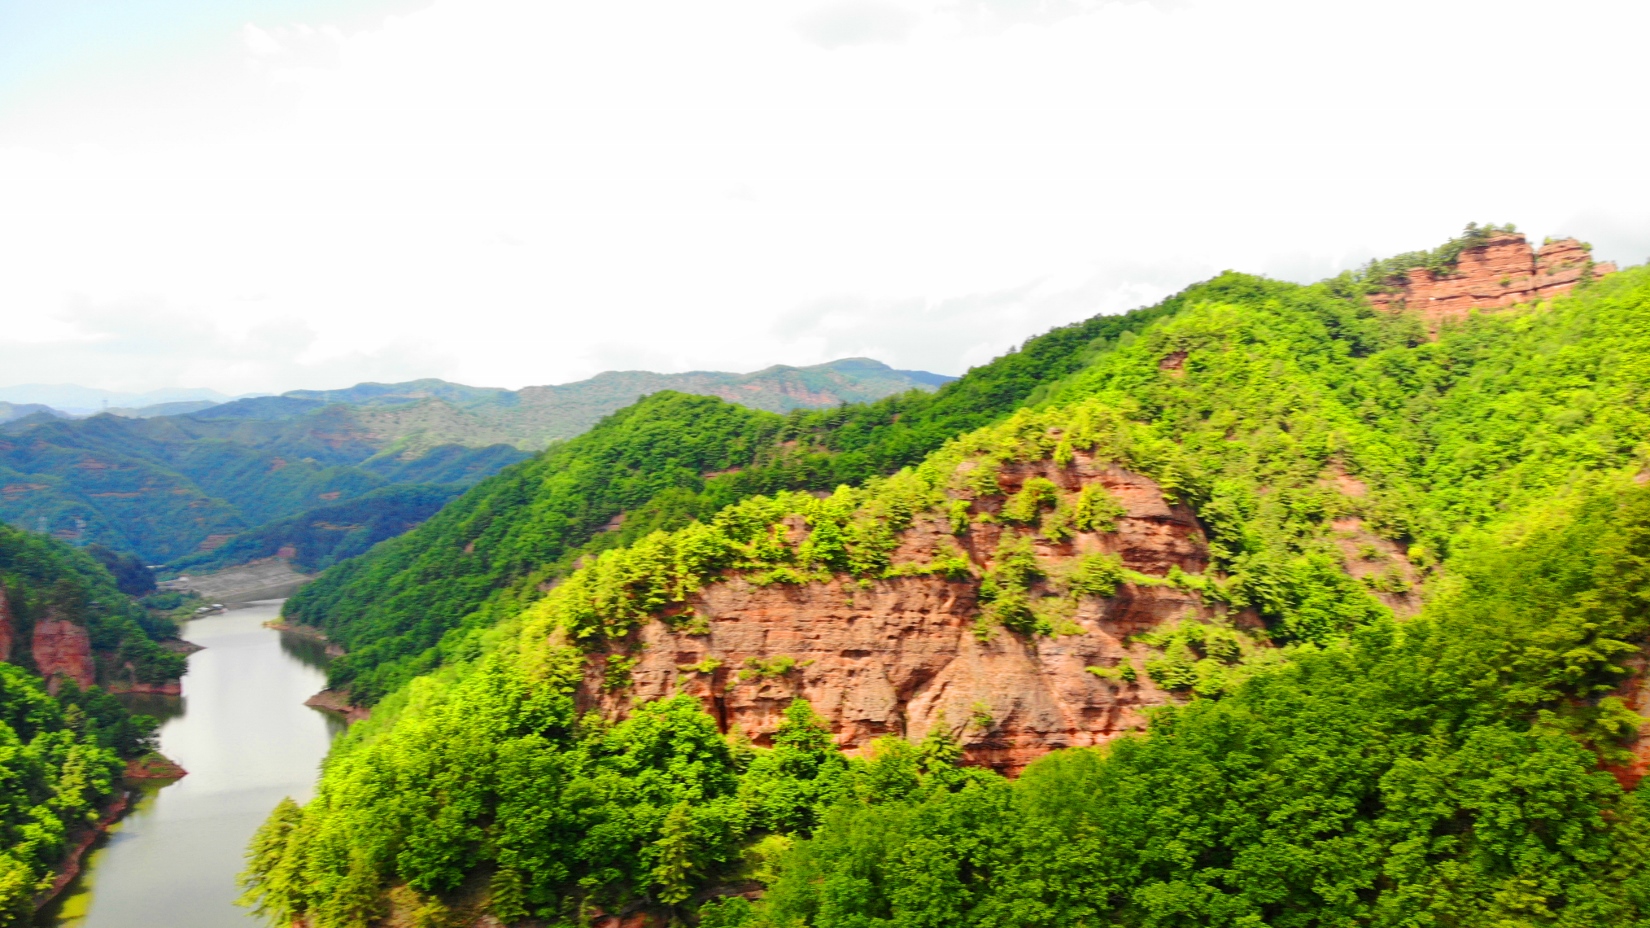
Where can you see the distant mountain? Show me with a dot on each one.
(427, 413)
(213, 479)
(74, 398)
(11, 412)
(179, 408)
(168, 487)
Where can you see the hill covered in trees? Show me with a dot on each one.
(203, 483)
(421, 414)
(67, 635)
(1392, 640)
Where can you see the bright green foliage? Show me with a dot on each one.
(419, 601)
(1439, 772)
(41, 574)
(1197, 657)
(1096, 509)
(1096, 575)
(480, 559)
(1026, 506)
(58, 768)
(1006, 589)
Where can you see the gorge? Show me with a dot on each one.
(1326, 600)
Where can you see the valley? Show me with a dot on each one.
(1270, 603)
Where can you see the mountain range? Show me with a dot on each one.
(1272, 604)
(183, 480)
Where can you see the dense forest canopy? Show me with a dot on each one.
(161, 489)
(413, 603)
(1450, 768)
(61, 755)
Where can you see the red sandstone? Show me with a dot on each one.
(1502, 271)
(901, 656)
(63, 650)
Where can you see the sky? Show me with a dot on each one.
(263, 195)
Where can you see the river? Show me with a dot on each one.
(243, 733)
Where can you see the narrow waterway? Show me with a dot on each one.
(243, 733)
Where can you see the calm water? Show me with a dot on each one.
(243, 733)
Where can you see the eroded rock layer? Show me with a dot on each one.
(899, 656)
(1501, 271)
(62, 650)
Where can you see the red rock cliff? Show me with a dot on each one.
(899, 655)
(63, 650)
(1501, 271)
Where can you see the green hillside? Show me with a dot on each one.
(320, 537)
(422, 413)
(61, 756)
(1364, 770)
(667, 460)
(173, 481)
(164, 488)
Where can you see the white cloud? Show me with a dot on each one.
(512, 192)
(854, 22)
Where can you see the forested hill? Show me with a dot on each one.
(64, 629)
(667, 460)
(1472, 759)
(168, 487)
(431, 412)
(176, 482)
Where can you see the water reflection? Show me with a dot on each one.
(243, 733)
(163, 708)
(305, 650)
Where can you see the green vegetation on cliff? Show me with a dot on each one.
(1442, 769)
(1439, 772)
(58, 769)
(61, 756)
(662, 463)
(42, 576)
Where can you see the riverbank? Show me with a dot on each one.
(71, 866)
(151, 766)
(306, 631)
(338, 703)
(247, 740)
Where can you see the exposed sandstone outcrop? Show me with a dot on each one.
(338, 702)
(62, 650)
(1501, 271)
(902, 655)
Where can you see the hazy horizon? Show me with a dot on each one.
(250, 195)
(89, 399)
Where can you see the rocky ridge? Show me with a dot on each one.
(903, 655)
(1503, 270)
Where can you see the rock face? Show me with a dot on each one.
(901, 656)
(1501, 271)
(62, 650)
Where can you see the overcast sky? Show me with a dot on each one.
(260, 195)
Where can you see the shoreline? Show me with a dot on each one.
(75, 860)
(338, 704)
(306, 631)
(152, 766)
